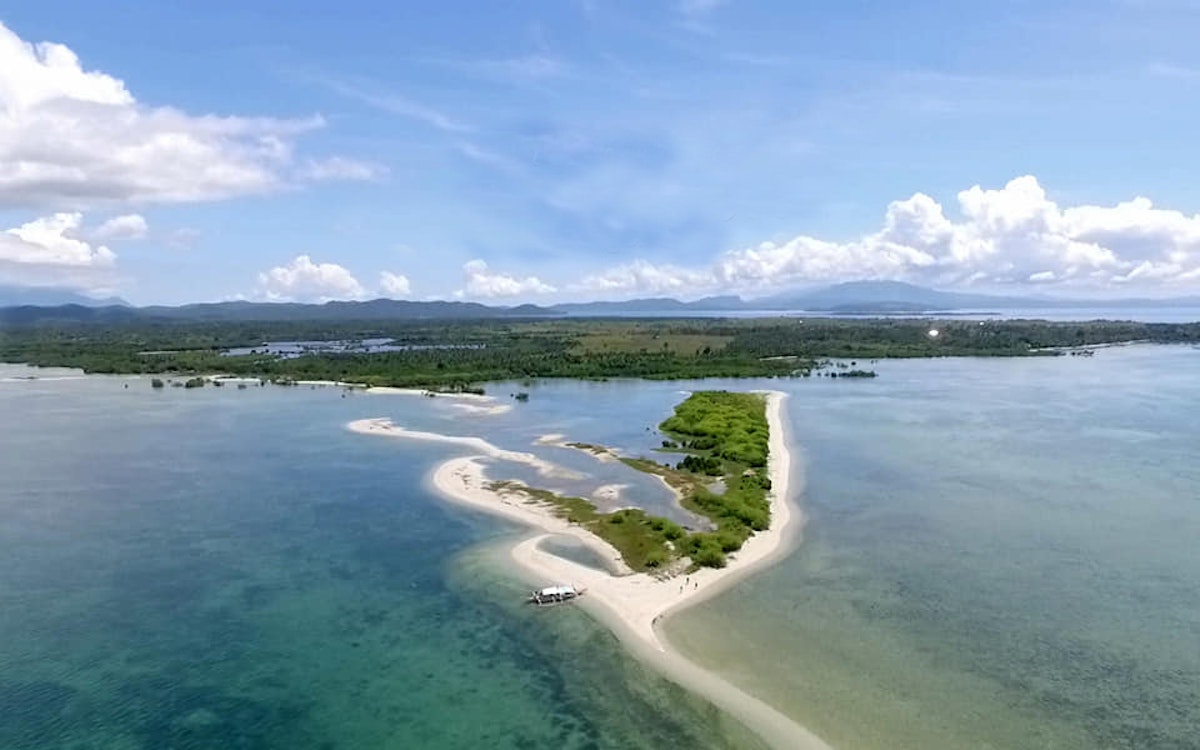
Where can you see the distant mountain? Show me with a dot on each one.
(863, 297)
(379, 309)
(866, 297)
(651, 306)
(896, 296)
(12, 296)
(883, 296)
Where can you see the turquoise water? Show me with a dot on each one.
(219, 568)
(999, 554)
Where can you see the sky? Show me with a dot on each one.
(567, 150)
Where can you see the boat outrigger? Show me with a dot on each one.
(554, 594)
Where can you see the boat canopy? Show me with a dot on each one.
(557, 591)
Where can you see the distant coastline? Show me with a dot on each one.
(633, 605)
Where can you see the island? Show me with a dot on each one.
(723, 440)
(653, 567)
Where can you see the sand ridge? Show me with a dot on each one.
(633, 605)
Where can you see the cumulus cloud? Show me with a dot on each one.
(72, 138)
(1009, 236)
(305, 281)
(127, 227)
(394, 284)
(49, 252)
(482, 282)
(642, 277)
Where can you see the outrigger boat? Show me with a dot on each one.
(555, 594)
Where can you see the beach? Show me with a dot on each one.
(633, 605)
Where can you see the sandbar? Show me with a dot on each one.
(634, 605)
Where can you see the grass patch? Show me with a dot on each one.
(624, 341)
(646, 543)
(719, 434)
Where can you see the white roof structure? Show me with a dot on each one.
(557, 591)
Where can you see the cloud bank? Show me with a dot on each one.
(52, 251)
(483, 283)
(71, 138)
(394, 285)
(305, 281)
(1013, 236)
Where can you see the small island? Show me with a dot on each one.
(727, 461)
(723, 439)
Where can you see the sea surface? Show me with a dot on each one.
(998, 554)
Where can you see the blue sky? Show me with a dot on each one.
(548, 150)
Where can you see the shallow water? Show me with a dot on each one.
(999, 554)
(218, 568)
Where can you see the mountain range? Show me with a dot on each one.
(12, 296)
(861, 297)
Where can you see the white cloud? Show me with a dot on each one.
(1011, 236)
(49, 252)
(481, 282)
(394, 284)
(305, 281)
(640, 277)
(73, 138)
(127, 227)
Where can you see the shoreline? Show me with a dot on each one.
(633, 605)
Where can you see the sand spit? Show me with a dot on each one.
(471, 403)
(601, 453)
(634, 605)
(384, 426)
(383, 390)
(486, 411)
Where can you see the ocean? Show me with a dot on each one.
(998, 554)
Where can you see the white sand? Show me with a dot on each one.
(634, 604)
(385, 427)
(471, 403)
(383, 390)
(486, 411)
(330, 383)
(602, 454)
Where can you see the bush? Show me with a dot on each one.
(655, 558)
(709, 555)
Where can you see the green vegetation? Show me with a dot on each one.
(731, 426)
(731, 430)
(646, 543)
(725, 434)
(462, 354)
